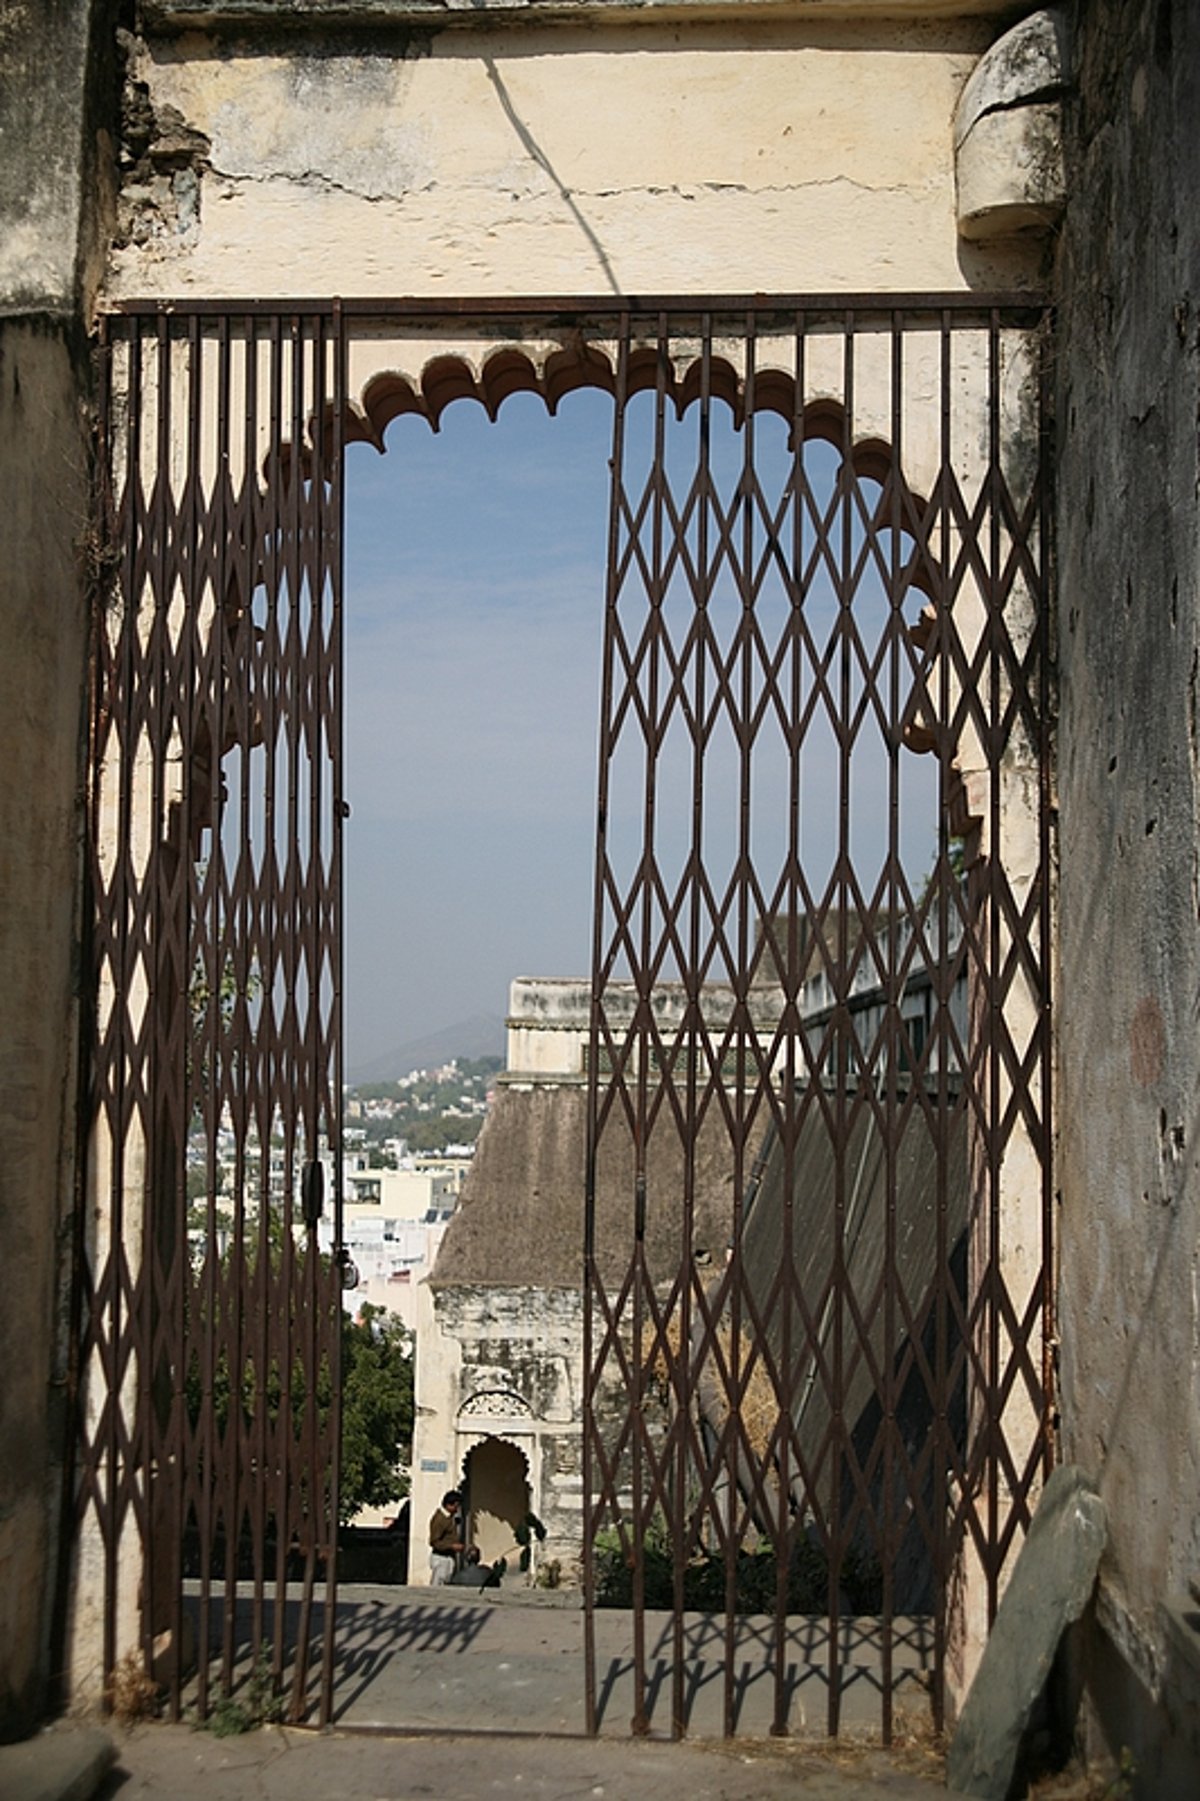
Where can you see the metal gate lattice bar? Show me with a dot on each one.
(818, 1171)
(817, 1198)
(211, 1348)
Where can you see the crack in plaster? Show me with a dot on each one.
(1048, 94)
(315, 178)
(535, 150)
(756, 189)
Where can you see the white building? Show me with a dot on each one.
(393, 1221)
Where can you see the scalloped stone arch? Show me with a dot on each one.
(554, 372)
(495, 1404)
(450, 376)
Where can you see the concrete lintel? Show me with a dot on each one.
(249, 15)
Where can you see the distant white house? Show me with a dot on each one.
(393, 1221)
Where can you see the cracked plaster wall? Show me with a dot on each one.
(640, 158)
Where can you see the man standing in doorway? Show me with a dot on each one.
(445, 1538)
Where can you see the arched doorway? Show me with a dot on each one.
(499, 1502)
(745, 683)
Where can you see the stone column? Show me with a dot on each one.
(56, 74)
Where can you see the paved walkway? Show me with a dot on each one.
(464, 1697)
(447, 1659)
(171, 1763)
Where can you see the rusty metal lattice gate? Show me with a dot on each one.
(211, 1309)
(816, 1204)
(817, 1191)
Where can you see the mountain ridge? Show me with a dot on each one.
(481, 1035)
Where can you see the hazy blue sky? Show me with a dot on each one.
(475, 591)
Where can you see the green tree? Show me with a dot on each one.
(377, 1401)
(433, 1135)
(377, 1410)
(478, 1069)
(376, 1091)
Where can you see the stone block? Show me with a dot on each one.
(1050, 1586)
(1008, 133)
(65, 1764)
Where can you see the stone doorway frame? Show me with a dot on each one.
(486, 350)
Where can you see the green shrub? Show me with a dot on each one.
(756, 1573)
(256, 1704)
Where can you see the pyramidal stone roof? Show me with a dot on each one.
(520, 1221)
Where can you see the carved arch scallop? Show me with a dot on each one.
(390, 378)
(495, 1404)
(382, 390)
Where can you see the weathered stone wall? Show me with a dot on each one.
(51, 189)
(503, 1362)
(43, 478)
(504, 156)
(1129, 634)
(595, 155)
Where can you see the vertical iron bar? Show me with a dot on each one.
(247, 1038)
(893, 1037)
(121, 957)
(793, 978)
(644, 1029)
(991, 601)
(333, 569)
(176, 1053)
(200, 706)
(266, 500)
(307, 454)
(306, 849)
(694, 1030)
(228, 628)
(154, 1455)
(1043, 630)
(844, 1038)
(740, 1022)
(78, 1479)
(280, 1068)
(591, 1274)
(945, 640)
(291, 1096)
(274, 1057)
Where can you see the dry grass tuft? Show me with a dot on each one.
(916, 1750)
(1077, 1784)
(760, 1404)
(131, 1694)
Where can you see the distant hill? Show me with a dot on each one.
(480, 1036)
